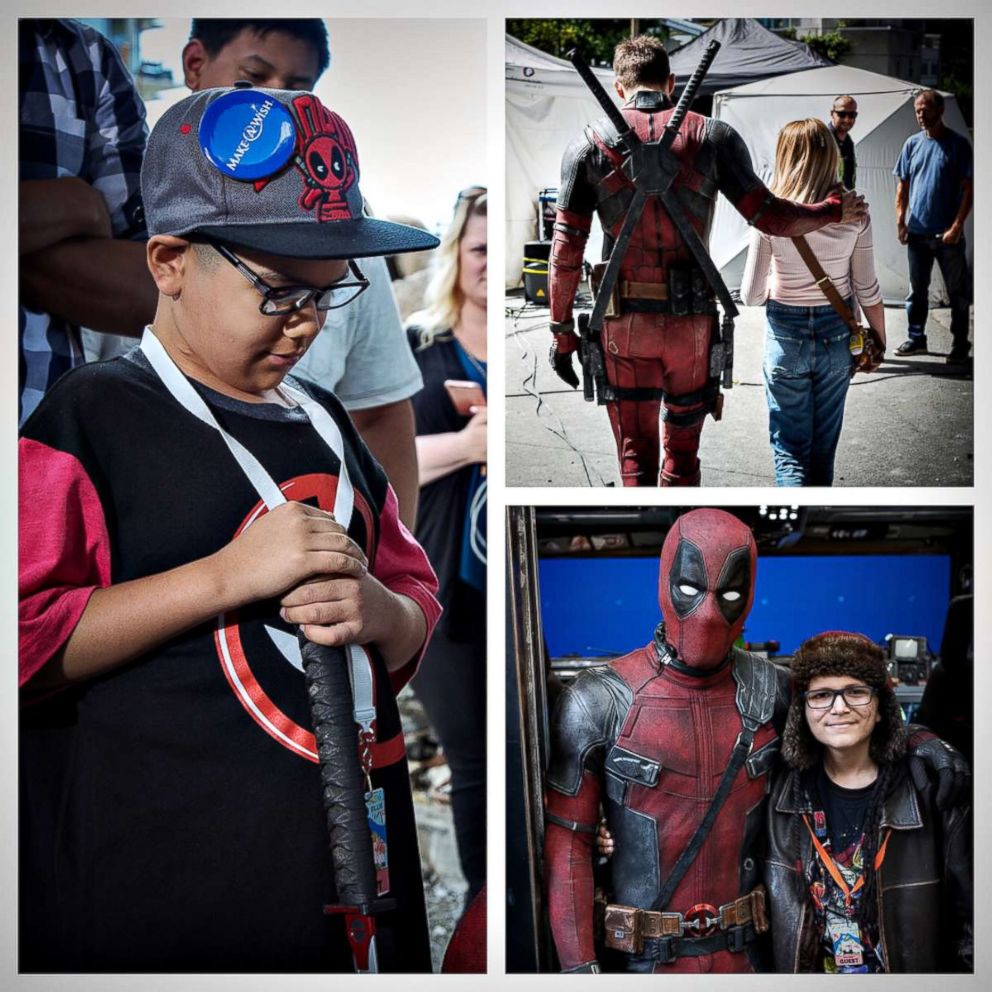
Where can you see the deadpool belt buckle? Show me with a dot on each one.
(702, 919)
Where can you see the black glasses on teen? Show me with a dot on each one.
(277, 301)
(854, 695)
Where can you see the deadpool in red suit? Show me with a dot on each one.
(657, 348)
(649, 741)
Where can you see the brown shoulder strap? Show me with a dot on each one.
(823, 281)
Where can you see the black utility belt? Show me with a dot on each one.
(664, 950)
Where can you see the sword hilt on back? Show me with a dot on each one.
(602, 97)
(689, 93)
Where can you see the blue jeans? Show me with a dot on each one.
(924, 250)
(807, 371)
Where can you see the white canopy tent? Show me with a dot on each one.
(759, 110)
(547, 106)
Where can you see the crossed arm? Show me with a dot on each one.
(72, 266)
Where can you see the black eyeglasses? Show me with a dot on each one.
(846, 113)
(854, 695)
(277, 301)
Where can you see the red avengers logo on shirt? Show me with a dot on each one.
(259, 654)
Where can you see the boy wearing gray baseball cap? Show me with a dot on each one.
(183, 510)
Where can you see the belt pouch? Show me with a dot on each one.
(680, 291)
(596, 280)
(622, 928)
(701, 298)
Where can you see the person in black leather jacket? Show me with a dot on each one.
(864, 871)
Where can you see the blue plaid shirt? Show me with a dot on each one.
(80, 115)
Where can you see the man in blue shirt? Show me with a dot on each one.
(933, 200)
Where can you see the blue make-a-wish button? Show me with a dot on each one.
(247, 134)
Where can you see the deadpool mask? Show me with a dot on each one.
(706, 585)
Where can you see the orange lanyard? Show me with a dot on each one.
(829, 864)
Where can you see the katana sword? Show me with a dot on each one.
(345, 784)
(652, 167)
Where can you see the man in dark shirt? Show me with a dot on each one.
(842, 118)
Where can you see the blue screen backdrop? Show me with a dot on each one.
(597, 606)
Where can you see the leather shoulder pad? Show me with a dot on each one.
(757, 687)
(606, 132)
(587, 717)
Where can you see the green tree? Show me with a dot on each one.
(832, 45)
(595, 39)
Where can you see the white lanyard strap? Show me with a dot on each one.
(323, 423)
(181, 389)
(183, 392)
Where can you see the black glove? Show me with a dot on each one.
(564, 369)
(936, 757)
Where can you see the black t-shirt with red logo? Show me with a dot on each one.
(171, 813)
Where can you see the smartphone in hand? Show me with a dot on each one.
(464, 394)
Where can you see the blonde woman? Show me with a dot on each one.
(807, 362)
(448, 339)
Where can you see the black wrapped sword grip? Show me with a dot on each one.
(689, 93)
(342, 781)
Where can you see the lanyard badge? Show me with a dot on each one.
(375, 809)
(849, 951)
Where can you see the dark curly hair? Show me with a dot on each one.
(838, 652)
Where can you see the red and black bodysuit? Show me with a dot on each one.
(649, 354)
(649, 738)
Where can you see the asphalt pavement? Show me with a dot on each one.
(911, 423)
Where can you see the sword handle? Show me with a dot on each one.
(689, 93)
(602, 97)
(343, 783)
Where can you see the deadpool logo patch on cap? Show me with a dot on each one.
(328, 159)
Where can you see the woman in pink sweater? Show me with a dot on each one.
(807, 363)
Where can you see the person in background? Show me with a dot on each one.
(82, 136)
(807, 366)
(360, 356)
(933, 201)
(448, 340)
(864, 872)
(843, 114)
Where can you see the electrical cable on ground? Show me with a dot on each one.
(529, 387)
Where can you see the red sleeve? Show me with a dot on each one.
(402, 567)
(63, 551)
(787, 218)
(568, 872)
(565, 269)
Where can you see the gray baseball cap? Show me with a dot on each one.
(271, 170)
